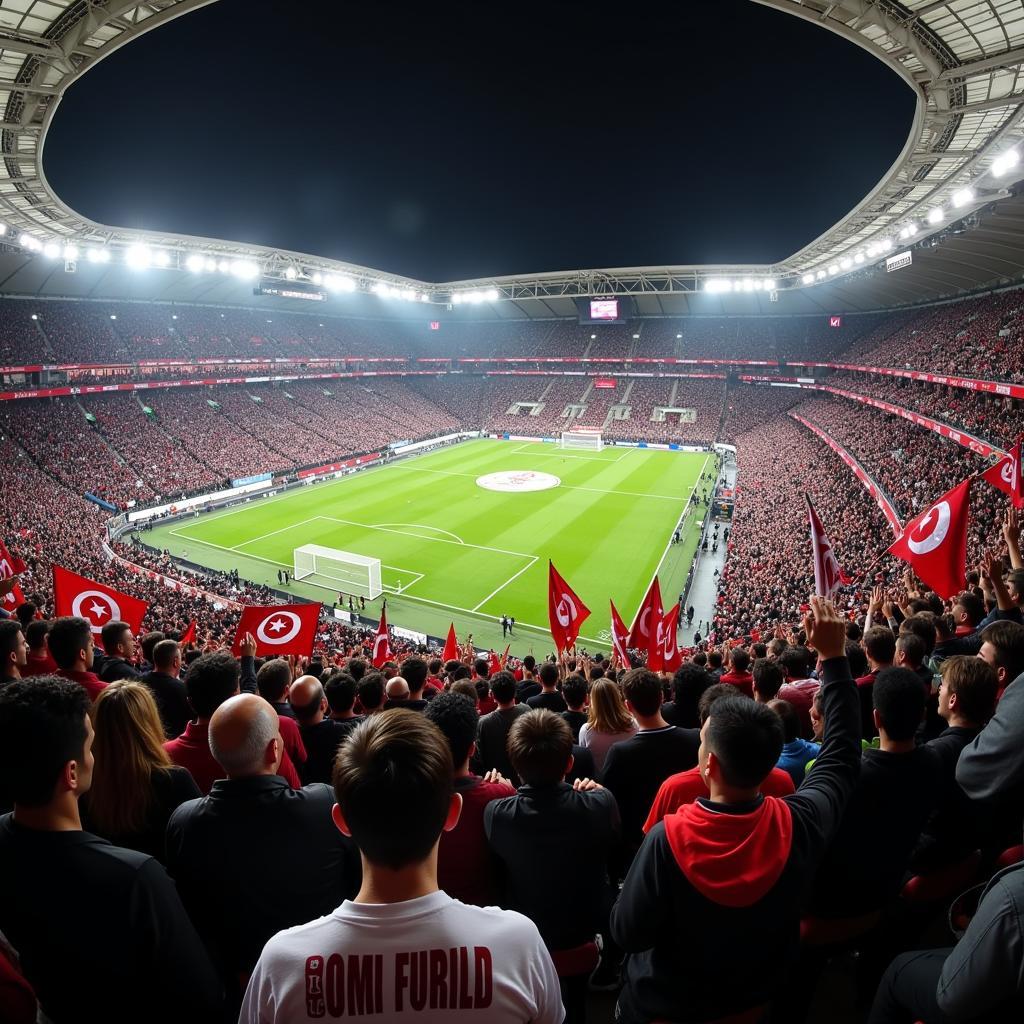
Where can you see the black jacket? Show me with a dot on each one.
(171, 702)
(321, 741)
(113, 669)
(718, 962)
(101, 933)
(255, 856)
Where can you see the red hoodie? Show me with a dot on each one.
(731, 859)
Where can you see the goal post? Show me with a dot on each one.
(338, 570)
(582, 439)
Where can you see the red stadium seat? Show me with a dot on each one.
(1013, 855)
(943, 884)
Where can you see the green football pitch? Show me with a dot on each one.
(452, 550)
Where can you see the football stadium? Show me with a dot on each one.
(393, 626)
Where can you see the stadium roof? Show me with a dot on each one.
(949, 196)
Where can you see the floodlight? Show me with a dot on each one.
(748, 284)
(1005, 162)
(456, 299)
(858, 257)
(28, 242)
(35, 316)
(99, 255)
(381, 289)
(834, 269)
(224, 267)
(3, 229)
(195, 263)
(492, 294)
(51, 250)
(209, 264)
(845, 263)
(245, 269)
(138, 257)
(424, 297)
(318, 278)
(162, 258)
(593, 337)
(174, 316)
(409, 295)
(70, 253)
(808, 279)
(885, 244)
(290, 273)
(678, 337)
(769, 285)
(963, 197)
(936, 216)
(820, 275)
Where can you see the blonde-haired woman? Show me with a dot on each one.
(135, 787)
(608, 721)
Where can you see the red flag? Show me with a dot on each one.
(189, 636)
(9, 568)
(671, 657)
(95, 602)
(935, 543)
(493, 663)
(504, 657)
(1007, 475)
(755, 636)
(566, 612)
(279, 629)
(451, 646)
(828, 576)
(648, 616)
(382, 642)
(13, 562)
(620, 635)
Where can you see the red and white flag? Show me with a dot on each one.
(504, 657)
(10, 567)
(279, 629)
(645, 625)
(189, 636)
(671, 656)
(95, 602)
(935, 543)
(1007, 475)
(493, 663)
(451, 646)
(566, 612)
(382, 642)
(620, 636)
(828, 576)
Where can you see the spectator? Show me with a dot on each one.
(1002, 646)
(321, 736)
(879, 645)
(575, 693)
(897, 791)
(685, 787)
(978, 979)
(397, 693)
(140, 953)
(414, 671)
(340, 690)
(226, 851)
(39, 661)
(71, 644)
(529, 686)
(370, 691)
(13, 650)
(736, 874)
(395, 795)
(967, 699)
(167, 688)
(466, 868)
(796, 752)
(608, 721)
(135, 787)
(635, 768)
(494, 727)
(146, 645)
(119, 650)
(551, 822)
(738, 674)
(688, 685)
(549, 697)
(272, 682)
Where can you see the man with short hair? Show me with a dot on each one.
(72, 646)
(168, 690)
(796, 752)
(370, 691)
(100, 931)
(494, 727)
(1002, 646)
(13, 651)
(272, 682)
(39, 661)
(414, 672)
(635, 768)
(119, 649)
(688, 685)
(967, 699)
(969, 623)
(733, 866)
(715, 668)
(226, 851)
(894, 797)
(575, 690)
(551, 822)
(340, 690)
(147, 644)
(403, 947)
(321, 736)
(738, 674)
(529, 686)
(549, 697)
(466, 868)
(879, 644)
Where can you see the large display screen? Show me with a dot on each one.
(604, 309)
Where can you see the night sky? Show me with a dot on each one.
(458, 140)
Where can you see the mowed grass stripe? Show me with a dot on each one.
(606, 539)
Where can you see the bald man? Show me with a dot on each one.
(397, 693)
(255, 855)
(321, 735)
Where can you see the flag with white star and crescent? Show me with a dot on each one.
(279, 629)
(95, 602)
(566, 612)
(11, 567)
(382, 642)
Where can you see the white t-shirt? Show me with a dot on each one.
(428, 959)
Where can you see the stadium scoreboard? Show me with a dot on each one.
(604, 309)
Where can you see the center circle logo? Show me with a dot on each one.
(518, 480)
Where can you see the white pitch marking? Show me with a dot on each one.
(420, 526)
(529, 565)
(431, 540)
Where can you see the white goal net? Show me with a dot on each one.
(582, 439)
(338, 570)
